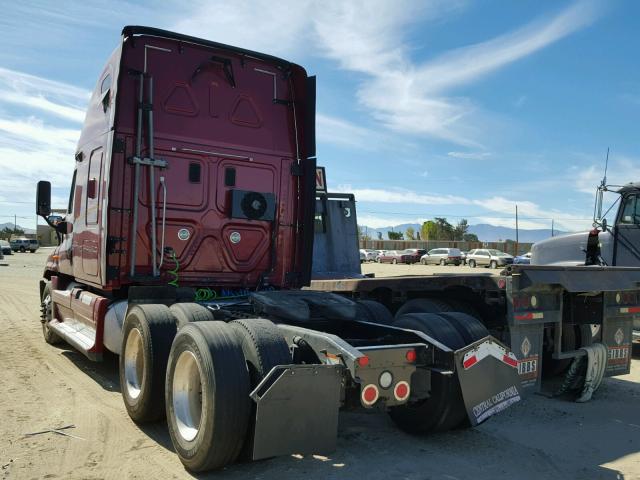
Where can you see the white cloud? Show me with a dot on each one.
(466, 64)
(370, 38)
(41, 94)
(33, 134)
(340, 132)
(416, 98)
(531, 215)
(470, 155)
(401, 196)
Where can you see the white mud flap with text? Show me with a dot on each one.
(488, 376)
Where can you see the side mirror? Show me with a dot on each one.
(604, 224)
(43, 198)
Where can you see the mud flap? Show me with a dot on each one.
(488, 376)
(297, 410)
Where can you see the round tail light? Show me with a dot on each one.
(401, 391)
(369, 395)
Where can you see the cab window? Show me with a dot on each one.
(630, 214)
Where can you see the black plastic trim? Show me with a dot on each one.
(308, 219)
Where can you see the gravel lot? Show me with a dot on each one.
(43, 387)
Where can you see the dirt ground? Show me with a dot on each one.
(43, 387)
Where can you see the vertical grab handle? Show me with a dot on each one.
(164, 219)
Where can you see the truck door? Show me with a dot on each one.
(627, 232)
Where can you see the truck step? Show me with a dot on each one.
(78, 336)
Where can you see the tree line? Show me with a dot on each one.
(6, 232)
(437, 229)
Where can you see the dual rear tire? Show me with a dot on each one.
(177, 362)
(444, 409)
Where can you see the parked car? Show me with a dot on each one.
(24, 244)
(1, 255)
(363, 256)
(394, 256)
(442, 256)
(372, 255)
(488, 257)
(522, 259)
(5, 247)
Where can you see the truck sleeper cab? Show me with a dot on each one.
(187, 240)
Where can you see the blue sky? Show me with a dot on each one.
(425, 108)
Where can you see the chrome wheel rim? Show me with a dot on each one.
(46, 311)
(187, 396)
(133, 364)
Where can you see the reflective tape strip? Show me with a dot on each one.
(530, 316)
(487, 349)
(629, 309)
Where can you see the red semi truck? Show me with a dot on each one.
(187, 241)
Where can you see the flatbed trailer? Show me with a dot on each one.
(547, 315)
(186, 243)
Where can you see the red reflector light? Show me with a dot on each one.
(401, 391)
(502, 283)
(369, 395)
(470, 362)
(363, 361)
(411, 356)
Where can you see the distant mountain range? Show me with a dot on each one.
(485, 232)
(11, 225)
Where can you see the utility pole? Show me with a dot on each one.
(552, 227)
(517, 237)
(15, 223)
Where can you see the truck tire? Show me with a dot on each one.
(207, 395)
(423, 305)
(46, 315)
(444, 409)
(472, 263)
(263, 347)
(464, 307)
(148, 331)
(185, 313)
(469, 328)
(374, 312)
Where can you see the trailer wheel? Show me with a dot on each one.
(263, 347)
(374, 312)
(464, 307)
(469, 328)
(46, 315)
(148, 331)
(207, 391)
(185, 313)
(444, 409)
(423, 305)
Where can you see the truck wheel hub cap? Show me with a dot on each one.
(133, 363)
(187, 396)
